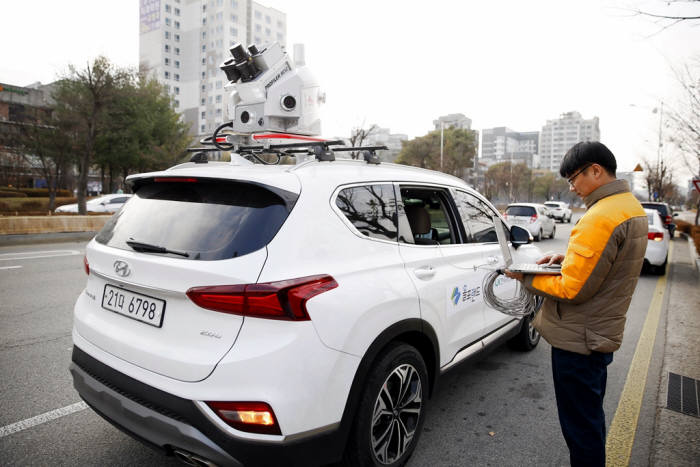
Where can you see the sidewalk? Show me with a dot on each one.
(677, 435)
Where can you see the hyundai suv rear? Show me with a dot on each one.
(287, 315)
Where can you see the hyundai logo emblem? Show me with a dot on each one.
(122, 268)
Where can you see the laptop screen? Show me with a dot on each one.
(503, 237)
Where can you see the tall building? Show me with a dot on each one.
(384, 137)
(454, 121)
(183, 42)
(558, 135)
(501, 144)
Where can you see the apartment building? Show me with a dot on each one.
(501, 144)
(453, 120)
(183, 42)
(558, 135)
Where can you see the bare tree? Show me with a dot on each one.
(666, 21)
(359, 135)
(685, 119)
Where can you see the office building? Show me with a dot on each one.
(501, 144)
(183, 42)
(558, 135)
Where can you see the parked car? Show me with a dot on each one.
(288, 315)
(665, 212)
(656, 256)
(533, 217)
(106, 203)
(560, 210)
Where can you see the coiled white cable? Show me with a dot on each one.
(524, 302)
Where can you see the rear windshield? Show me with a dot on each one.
(659, 207)
(552, 205)
(520, 211)
(207, 220)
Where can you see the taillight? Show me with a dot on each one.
(86, 265)
(533, 218)
(253, 417)
(284, 300)
(669, 219)
(656, 236)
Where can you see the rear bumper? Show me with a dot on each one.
(175, 424)
(656, 253)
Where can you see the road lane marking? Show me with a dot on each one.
(10, 267)
(43, 418)
(37, 254)
(620, 440)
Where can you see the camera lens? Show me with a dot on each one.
(240, 54)
(229, 67)
(253, 49)
(245, 116)
(289, 102)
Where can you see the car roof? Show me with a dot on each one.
(288, 177)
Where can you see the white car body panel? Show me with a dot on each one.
(657, 251)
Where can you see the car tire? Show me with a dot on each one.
(391, 410)
(538, 237)
(527, 338)
(554, 231)
(661, 269)
(568, 221)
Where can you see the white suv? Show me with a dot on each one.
(287, 315)
(560, 210)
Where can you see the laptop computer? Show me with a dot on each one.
(526, 268)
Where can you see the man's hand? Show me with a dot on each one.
(518, 276)
(550, 259)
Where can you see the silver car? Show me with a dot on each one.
(532, 216)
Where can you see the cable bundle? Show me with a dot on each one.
(523, 303)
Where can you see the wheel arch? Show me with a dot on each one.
(415, 332)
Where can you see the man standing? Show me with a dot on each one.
(583, 315)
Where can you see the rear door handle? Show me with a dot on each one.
(425, 272)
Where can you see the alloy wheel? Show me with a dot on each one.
(397, 411)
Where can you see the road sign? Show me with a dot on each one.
(696, 182)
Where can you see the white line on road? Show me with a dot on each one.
(43, 418)
(37, 254)
(10, 267)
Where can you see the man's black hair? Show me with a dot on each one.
(587, 152)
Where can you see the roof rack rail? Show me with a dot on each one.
(321, 150)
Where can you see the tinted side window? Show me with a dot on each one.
(371, 209)
(476, 216)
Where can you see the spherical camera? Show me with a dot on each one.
(288, 102)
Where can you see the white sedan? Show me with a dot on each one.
(107, 203)
(656, 256)
(532, 216)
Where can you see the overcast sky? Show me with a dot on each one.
(401, 64)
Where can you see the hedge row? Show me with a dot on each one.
(12, 192)
(22, 205)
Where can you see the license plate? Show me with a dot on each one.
(134, 305)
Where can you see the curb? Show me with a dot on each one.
(694, 259)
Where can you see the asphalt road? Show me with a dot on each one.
(497, 411)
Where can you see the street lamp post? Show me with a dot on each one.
(442, 131)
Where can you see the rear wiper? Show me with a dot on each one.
(147, 247)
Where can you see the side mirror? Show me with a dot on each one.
(675, 214)
(519, 236)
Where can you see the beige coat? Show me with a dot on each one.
(585, 307)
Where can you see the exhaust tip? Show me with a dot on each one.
(192, 459)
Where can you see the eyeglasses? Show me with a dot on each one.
(573, 177)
